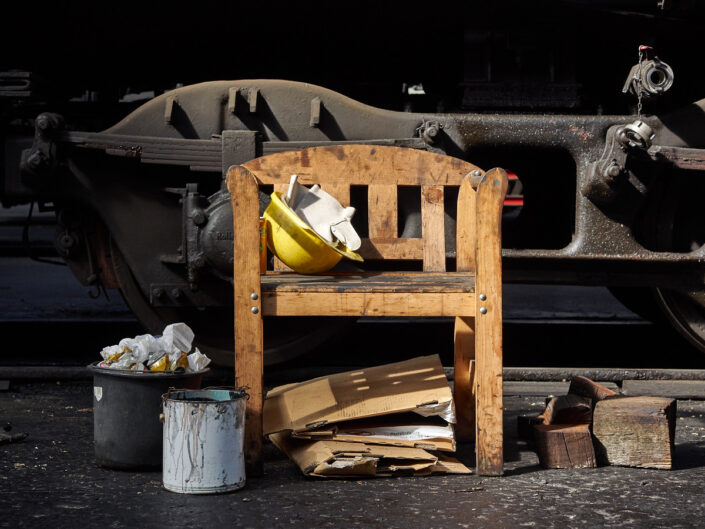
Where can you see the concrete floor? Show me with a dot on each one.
(50, 480)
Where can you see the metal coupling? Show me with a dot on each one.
(637, 135)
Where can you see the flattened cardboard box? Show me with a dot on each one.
(347, 459)
(388, 430)
(418, 385)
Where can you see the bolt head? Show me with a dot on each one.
(613, 170)
(199, 217)
(476, 173)
(483, 297)
(253, 296)
(176, 293)
(254, 310)
(483, 310)
(158, 292)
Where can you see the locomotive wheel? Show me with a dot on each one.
(285, 338)
(677, 223)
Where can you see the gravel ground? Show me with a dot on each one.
(50, 480)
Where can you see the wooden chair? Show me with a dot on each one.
(472, 294)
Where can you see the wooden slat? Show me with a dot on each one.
(433, 229)
(281, 188)
(464, 374)
(466, 232)
(488, 326)
(382, 211)
(361, 165)
(341, 192)
(411, 282)
(248, 325)
(394, 249)
(366, 304)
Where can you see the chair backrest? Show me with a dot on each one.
(383, 169)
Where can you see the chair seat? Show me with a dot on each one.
(369, 294)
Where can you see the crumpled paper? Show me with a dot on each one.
(168, 352)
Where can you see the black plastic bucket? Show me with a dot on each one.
(127, 432)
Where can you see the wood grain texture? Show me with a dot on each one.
(369, 282)
(282, 188)
(585, 387)
(360, 165)
(466, 229)
(464, 332)
(394, 249)
(433, 229)
(382, 211)
(341, 192)
(488, 345)
(568, 409)
(635, 431)
(464, 378)
(564, 446)
(366, 304)
(248, 326)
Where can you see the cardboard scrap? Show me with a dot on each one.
(418, 385)
(378, 421)
(349, 459)
(389, 430)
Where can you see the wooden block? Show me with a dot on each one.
(585, 387)
(635, 431)
(564, 446)
(568, 409)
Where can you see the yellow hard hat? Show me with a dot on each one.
(297, 244)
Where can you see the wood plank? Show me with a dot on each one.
(464, 378)
(433, 229)
(635, 431)
(341, 192)
(282, 188)
(488, 345)
(248, 325)
(370, 282)
(466, 229)
(585, 387)
(382, 211)
(367, 304)
(395, 249)
(564, 446)
(361, 165)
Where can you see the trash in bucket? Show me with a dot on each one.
(168, 352)
(203, 440)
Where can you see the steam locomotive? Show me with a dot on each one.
(108, 118)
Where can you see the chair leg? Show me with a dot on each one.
(488, 402)
(464, 383)
(248, 373)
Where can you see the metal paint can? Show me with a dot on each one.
(203, 440)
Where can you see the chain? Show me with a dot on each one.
(637, 78)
